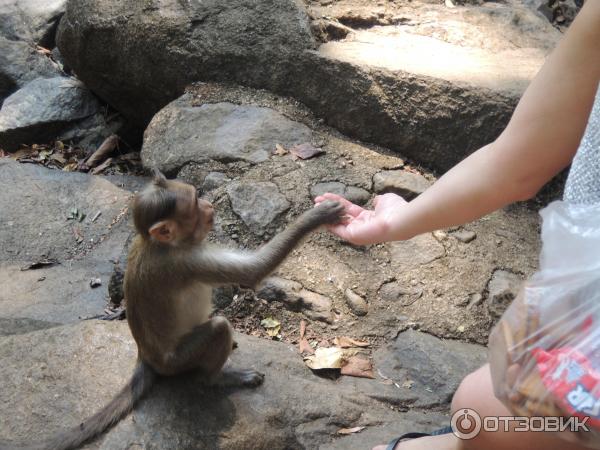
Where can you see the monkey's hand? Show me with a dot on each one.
(325, 213)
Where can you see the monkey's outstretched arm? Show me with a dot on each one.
(228, 266)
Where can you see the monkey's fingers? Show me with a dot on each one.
(351, 209)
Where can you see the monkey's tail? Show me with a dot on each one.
(142, 379)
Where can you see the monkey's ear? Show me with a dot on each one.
(159, 179)
(164, 231)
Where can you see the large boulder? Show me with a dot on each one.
(21, 63)
(395, 82)
(33, 21)
(43, 108)
(140, 55)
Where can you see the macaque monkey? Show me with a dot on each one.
(168, 287)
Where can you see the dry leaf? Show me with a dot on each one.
(350, 430)
(272, 326)
(305, 347)
(347, 342)
(305, 151)
(39, 264)
(280, 150)
(326, 358)
(358, 367)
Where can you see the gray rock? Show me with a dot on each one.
(355, 194)
(239, 40)
(434, 117)
(214, 180)
(257, 204)
(35, 203)
(464, 236)
(403, 183)
(20, 63)
(502, 289)
(51, 380)
(395, 292)
(432, 367)
(34, 21)
(356, 303)
(42, 108)
(420, 250)
(90, 133)
(290, 293)
(182, 133)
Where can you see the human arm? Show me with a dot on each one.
(540, 140)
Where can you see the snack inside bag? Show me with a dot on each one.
(545, 350)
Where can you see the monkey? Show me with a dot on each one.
(170, 274)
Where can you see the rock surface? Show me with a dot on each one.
(293, 409)
(21, 63)
(33, 21)
(401, 182)
(354, 194)
(42, 109)
(257, 204)
(433, 116)
(503, 287)
(35, 204)
(222, 132)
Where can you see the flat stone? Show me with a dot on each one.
(214, 180)
(433, 367)
(356, 303)
(401, 182)
(51, 381)
(420, 250)
(354, 194)
(42, 108)
(181, 133)
(502, 289)
(35, 204)
(395, 292)
(464, 236)
(257, 204)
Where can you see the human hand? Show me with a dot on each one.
(363, 226)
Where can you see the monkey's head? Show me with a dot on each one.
(170, 212)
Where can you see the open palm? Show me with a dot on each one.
(364, 226)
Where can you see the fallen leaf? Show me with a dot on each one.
(39, 264)
(305, 151)
(350, 430)
(326, 358)
(271, 325)
(280, 150)
(305, 347)
(358, 367)
(302, 328)
(71, 167)
(347, 342)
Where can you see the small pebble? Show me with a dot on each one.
(95, 282)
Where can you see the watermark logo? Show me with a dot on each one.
(467, 424)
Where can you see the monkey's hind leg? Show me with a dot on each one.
(207, 348)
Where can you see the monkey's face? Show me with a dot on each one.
(197, 215)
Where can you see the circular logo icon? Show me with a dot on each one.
(465, 423)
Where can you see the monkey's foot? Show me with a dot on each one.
(240, 378)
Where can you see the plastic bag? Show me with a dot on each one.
(545, 350)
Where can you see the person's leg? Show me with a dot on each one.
(476, 392)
